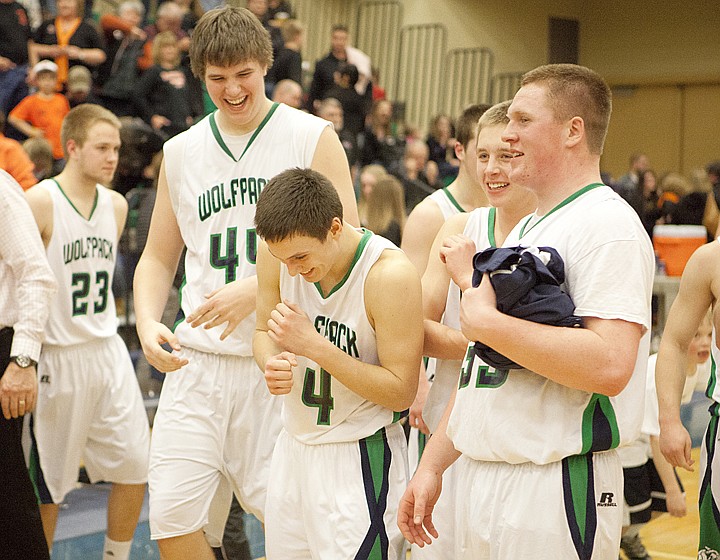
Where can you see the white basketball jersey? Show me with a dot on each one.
(320, 409)
(214, 189)
(519, 416)
(82, 255)
(446, 202)
(480, 227)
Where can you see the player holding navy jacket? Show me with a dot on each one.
(539, 470)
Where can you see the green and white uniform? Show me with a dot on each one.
(480, 227)
(215, 418)
(709, 490)
(449, 207)
(89, 403)
(340, 464)
(518, 421)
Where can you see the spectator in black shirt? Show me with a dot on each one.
(355, 106)
(162, 94)
(15, 42)
(70, 40)
(324, 75)
(124, 39)
(288, 62)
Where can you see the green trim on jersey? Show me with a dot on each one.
(367, 234)
(600, 430)
(95, 203)
(452, 200)
(565, 202)
(180, 315)
(491, 226)
(712, 381)
(221, 142)
(709, 541)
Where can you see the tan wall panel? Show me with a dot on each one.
(645, 120)
(702, 123)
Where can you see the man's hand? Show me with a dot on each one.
(6, 64)
(675, 502)
(229, 304)
(18, 391)
(476, 306)
(152, 335)
(457, 253)
(675, 445)
(416, 507)
(278, 373)
(290, 328)
(158, 121)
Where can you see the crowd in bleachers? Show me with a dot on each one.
(136, 64)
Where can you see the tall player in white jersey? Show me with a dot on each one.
(699, 289)
(339, 334)
(216, 423)
(444, 342)
(462, 195)
(89, 406)
(539, 470)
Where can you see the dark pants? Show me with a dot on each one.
(235, 541)
(21, 533)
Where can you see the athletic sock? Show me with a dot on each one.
(633, 530)
(114, 550)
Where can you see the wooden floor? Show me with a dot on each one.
(676, 538)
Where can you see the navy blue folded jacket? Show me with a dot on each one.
(527, 283)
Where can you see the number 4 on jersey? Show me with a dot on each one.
(227, 258)
(322, 399)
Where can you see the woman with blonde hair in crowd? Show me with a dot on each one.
(369, 176)
(385, 209)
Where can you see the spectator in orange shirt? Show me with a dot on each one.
(14, 160)
(41, 114)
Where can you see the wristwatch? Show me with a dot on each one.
(23, 360)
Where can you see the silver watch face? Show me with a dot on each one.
(23, 360)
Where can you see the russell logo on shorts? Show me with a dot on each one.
(607, 499)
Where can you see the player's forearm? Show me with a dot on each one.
(263, 348)
(375, 383)
(151, 285)
(665, 470)
(670, 380)
(440, 453)
(443, 342)
(579, 358)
